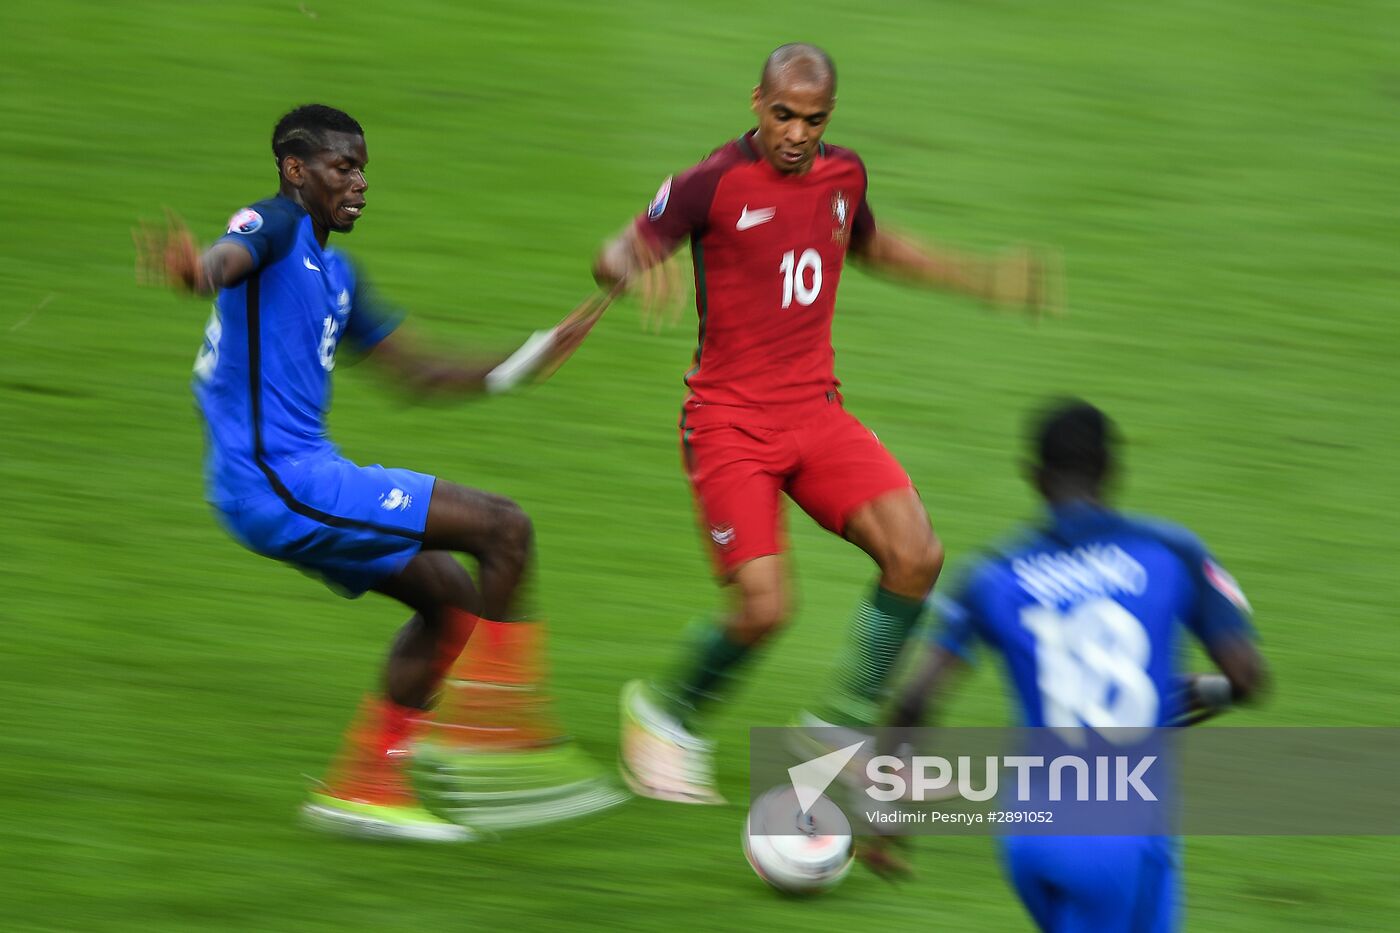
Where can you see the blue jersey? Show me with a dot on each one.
(263, 377)
(1084, 610)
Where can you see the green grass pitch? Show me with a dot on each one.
(1221, 176)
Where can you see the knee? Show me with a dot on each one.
(515, 533)
(912, 567)
(761, 616)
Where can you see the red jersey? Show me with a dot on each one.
(768, 250)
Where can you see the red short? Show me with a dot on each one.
(825, 460)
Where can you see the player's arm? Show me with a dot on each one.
(414, 366)
(652, 237)
(950, 649)
(1243, 667)
(222, 265)
(917, 704)
(1221, 621)
(411, 365)
(1020, 278)
(635, 261)
(171, 256)
(1243, 678)
(623, 259)
(639, 257)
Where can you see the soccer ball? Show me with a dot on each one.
(797, 852)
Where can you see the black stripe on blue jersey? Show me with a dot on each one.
(253, 293)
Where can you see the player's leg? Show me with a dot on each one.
(758, 608)
(854, 487)
(492, 755)
(736, 476)
(368, 790)
(1027, 865)
(490, 528)
(435, 585)
(662, 756)
(1100, 888)
(1158, 904)
(1086, 884)
(445, 603)
(495, 692)
(894, 530)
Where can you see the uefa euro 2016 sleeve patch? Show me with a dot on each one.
(245, 221)
(658, 203)
(1225, 584)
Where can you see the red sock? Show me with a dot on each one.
(370, 766)
(395, 725)
(504, 653)
(493, 697)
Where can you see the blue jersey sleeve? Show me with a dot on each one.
(1221, 607)
(1218, 609)
(371, 317)
(267, 229)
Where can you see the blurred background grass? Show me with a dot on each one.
(1222, 177)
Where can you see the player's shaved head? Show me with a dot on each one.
(798, 63)
(1074, 446)
(793, 102)
(306, 130)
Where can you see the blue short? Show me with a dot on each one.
(350, 526)
(1095, 884)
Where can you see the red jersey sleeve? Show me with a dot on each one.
(863, 221)
(862, 225)
(681, 207)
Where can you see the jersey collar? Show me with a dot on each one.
(279, 196)
(748, 146)
(1072, 520)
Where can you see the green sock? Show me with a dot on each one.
(877, 634)
(706, 670)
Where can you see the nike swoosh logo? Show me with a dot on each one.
(748, 218)
(306, 261)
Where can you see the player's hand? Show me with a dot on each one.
(631, 261)
(878, 853)
(169, 255)
(1200, 697)
(663, 294)
(1026, 279)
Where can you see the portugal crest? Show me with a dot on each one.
(841, 213)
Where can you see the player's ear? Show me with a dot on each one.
(293, 170)
(754, 103)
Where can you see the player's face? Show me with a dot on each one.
(792, 117)
(332, 183)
